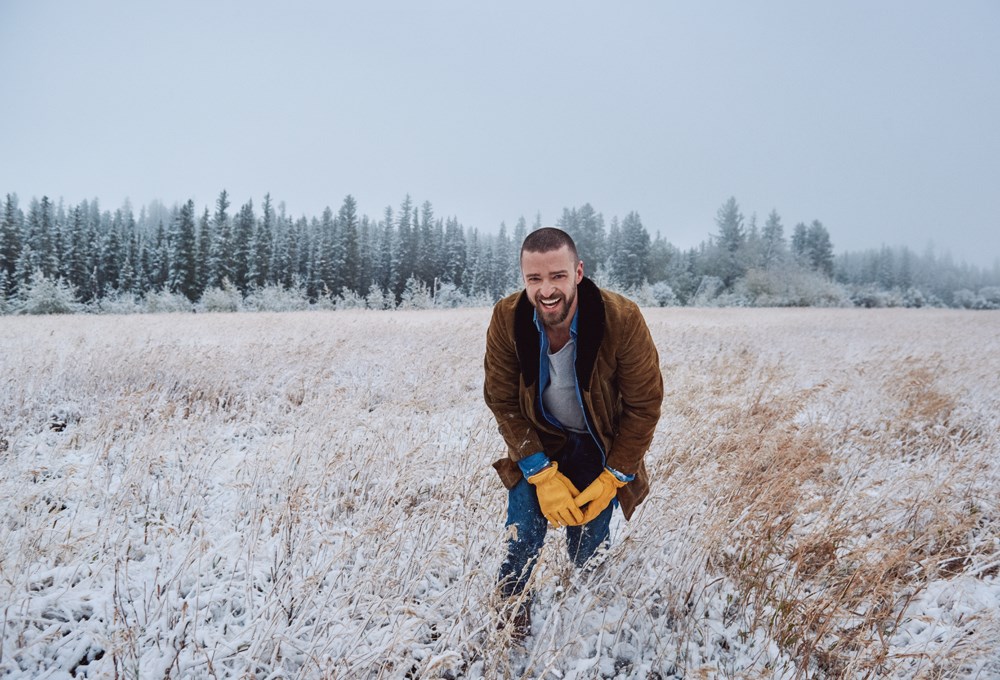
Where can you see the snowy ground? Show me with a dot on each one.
(310, 495)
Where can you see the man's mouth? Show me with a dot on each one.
(549, 304)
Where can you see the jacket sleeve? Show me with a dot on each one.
(501, 387)
(640, 384)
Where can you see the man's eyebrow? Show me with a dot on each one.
(551, 273)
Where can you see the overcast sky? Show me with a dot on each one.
(879, 118)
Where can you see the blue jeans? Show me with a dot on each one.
(581, 461)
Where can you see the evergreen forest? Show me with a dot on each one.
(57, 258)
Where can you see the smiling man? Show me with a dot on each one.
(573, 379)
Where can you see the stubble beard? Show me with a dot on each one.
(557, 316)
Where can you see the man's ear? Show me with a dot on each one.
(579, 271)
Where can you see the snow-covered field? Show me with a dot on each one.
(310, 495)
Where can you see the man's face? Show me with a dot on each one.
(550, 280)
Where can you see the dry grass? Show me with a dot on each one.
(846, 480)
(309, 495)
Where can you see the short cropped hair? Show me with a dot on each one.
(547, 239)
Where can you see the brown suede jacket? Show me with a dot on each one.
(618, 371)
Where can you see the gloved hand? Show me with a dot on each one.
(598, 495)
(555, 496)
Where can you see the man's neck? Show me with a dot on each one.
(558, 337)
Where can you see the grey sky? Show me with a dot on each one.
(879, 118)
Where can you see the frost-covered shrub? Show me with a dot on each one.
(708, 290)
(871, 297)
(275, 298)
(765, 285)
(819, 291)
(964, 298)
(378, 299)
(990, 296)
(416, 295)
(737, 297)
(165, 302)
(987, 298)
(448, 295)
(325, 302)
(602, 279)
(606, 282)
(664, 295)
(914, 298)
(659, 294)
(792, 287)
(642, 295)
(116, 303)
(481, 299)
(43, 295)
(348, 299)
(225, 299)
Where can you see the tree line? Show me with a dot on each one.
(85, 257)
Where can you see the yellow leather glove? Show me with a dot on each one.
(598, 495)
(555, 496)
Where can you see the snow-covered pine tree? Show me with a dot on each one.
(502, 279)
(346, 250)
(800, 244)
(203, 252)
(367, 248)
(820, 249)
(10, 239)
(159, 259)
(183, 277)
(242, 246)
(425, 263)
(455, 253)
(590, 238)
(259, 272)
(731, 242)
(220, 251)
(112, 254)
(405, 253)
(321, 270)
(384, 234)
(631, 253)
(772, 242)
(520, 232)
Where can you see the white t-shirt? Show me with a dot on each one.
(559, 396)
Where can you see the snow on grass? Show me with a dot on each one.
(310, 495)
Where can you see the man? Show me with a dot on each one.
(573, 379)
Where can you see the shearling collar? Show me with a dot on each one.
(590, 334)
